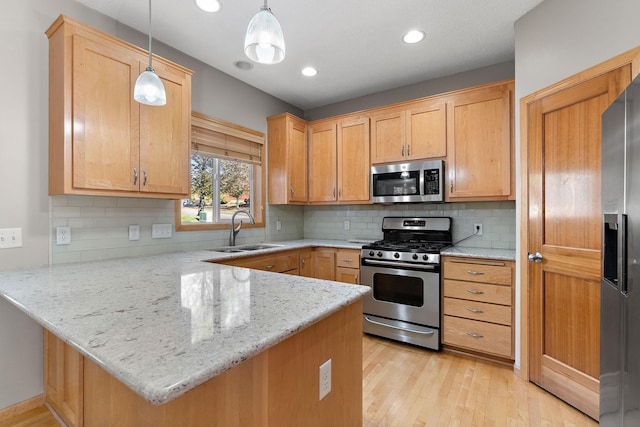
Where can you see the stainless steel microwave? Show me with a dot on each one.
(408, 182)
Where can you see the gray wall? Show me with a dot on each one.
(560, 38)
(24, 174)
(490, 74)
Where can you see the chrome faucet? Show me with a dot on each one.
(235, 230)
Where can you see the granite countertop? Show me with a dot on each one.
(488, 253)
(165, 324)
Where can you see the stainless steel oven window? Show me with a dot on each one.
(398, 289)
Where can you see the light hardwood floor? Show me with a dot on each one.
(406, 386)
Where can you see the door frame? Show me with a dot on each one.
(631, 57)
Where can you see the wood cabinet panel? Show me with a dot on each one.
(354, 165)
(478, 311)
(349, 258)
(306, 262)
(475, 272)
(348, 275)
(480, 144)
(63, 379)
(477, 336)
(287, 148)
(101, 141)
(387, 136)
(426, 130)
(323, 164)
(278, 263)
(324, 263)
(480, 292)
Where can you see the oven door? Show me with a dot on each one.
(404, 304)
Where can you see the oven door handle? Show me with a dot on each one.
(398, 264)
(397, 327)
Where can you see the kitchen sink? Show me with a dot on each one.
(245, 248)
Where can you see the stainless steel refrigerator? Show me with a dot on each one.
(620, 288)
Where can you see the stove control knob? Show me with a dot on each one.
(396, 255)
(415, 256)
(425, 257)
(379, 253)
(371, 253)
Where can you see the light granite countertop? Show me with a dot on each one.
(488, 253)
(165, 324)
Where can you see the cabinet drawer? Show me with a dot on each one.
(348, 258)
(477, 336)
(498, 274)
(481, 292)
(478, 311)
(276, 262)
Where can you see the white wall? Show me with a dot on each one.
(24, 167)
(560, 38)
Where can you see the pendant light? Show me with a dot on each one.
(264, 42)
(149, 89)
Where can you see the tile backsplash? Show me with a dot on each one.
(99, 225)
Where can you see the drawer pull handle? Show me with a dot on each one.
(475, 310)
(474, 335)
(472, 291)
(475, 273)
(269, 267)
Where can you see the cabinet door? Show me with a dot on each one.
(348, 275)
(297, 161)
(426, 130)
(164, 136)
(387, 137)
(354, 165)
(63, 379)
(324, 264)
(306, 263)
(105, 116)
(322, 165)
(479, 145)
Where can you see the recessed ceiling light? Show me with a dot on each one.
(413, 36)
(243, 65)
(209, 5)
(309, 71)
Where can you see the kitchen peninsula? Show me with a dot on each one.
(172, 340)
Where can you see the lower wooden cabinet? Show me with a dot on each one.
(348, 266)
(63, 379)
(324, 263)
(280, 262)
(478, 306)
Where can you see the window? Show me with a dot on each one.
(226, 175)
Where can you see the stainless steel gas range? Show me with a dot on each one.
(403, 271)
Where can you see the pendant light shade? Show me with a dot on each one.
(149, 89)
(264, 42)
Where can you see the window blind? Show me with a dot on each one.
(225, 140)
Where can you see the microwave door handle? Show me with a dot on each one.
(622, 253)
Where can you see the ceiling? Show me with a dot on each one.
(356, 45)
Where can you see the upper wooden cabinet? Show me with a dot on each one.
(339, 167)
(414, 131)
(287, 147)
(480, 144)
(101, 141)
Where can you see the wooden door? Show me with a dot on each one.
(105, 116)
(564, 223)
(479, 148)
(426, 130)
(324, 264)
(164, 136)
(388, 136)
(354, 165)
(297, 160)
(323, 185)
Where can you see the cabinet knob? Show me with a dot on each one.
(135, 176)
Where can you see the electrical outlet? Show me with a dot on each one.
(278, 225)
(161, 231)
(477, 229)
(134, 232)
(63, 235)
(346, 225)
(10, 238)
(325, 379)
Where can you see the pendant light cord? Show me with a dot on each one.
(150, 67)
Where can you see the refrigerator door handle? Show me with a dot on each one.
(622, 253)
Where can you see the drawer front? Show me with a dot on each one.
(477, 336)
(276, 262)
(494, 294)
(471, 272)
(348, 258)
(478, 311)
